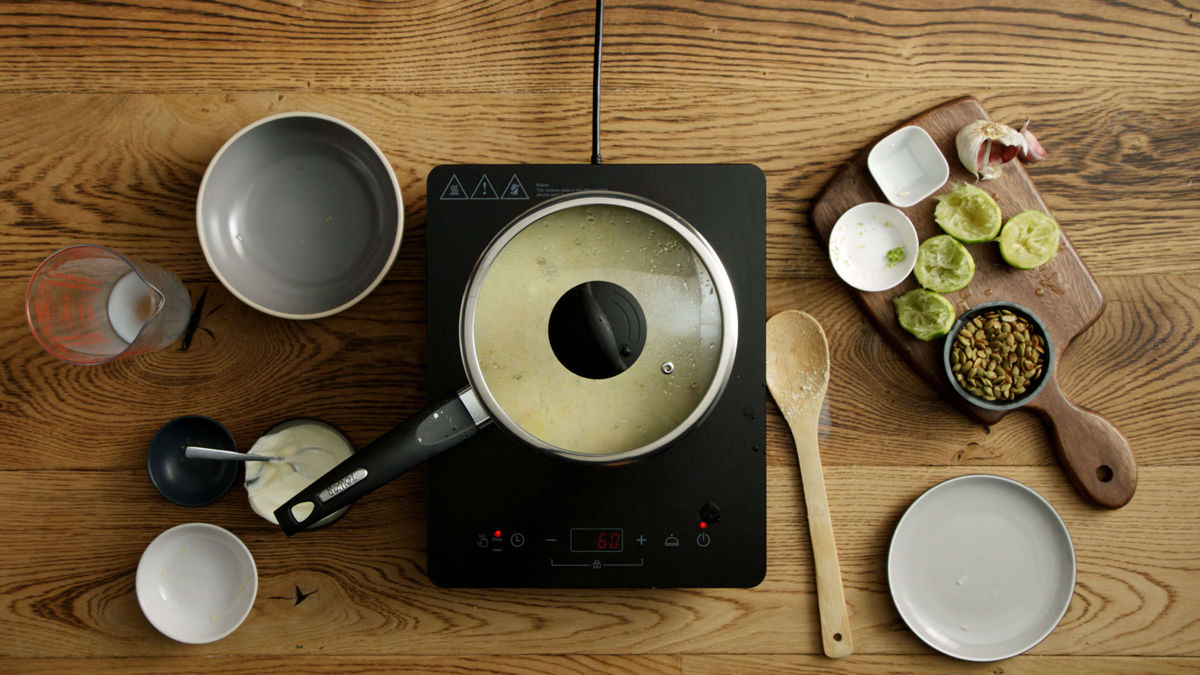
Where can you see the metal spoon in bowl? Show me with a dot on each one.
(197, 452)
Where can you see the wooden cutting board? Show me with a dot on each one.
(1094, 454)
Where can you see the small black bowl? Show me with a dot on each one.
(1032, 389)
(188, 481)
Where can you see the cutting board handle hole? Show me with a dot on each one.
(1104, 472)
(837, 637)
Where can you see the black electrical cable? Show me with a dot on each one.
(596, 84)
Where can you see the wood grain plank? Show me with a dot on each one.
(1135, 365)
(160, 46)
(700, 664)
(1112, 571)
(73, 594)
(364, 370)
(320, 665)
(711, 664)
(706, 664)
(125, 170)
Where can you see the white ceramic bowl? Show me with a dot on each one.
(860, 241)
(196, 582)
(908, 166)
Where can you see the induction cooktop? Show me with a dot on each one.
(694, 515)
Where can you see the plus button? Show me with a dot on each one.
(641, 540)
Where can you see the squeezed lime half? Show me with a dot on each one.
(943, 264)
(925, 314)
(1029, 239)
(968, 214)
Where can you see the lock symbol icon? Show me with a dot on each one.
(596, 564)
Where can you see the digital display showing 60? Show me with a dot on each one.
(597, 540)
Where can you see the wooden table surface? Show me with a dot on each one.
(110, 112)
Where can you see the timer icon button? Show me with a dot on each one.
(517, 540)
(703, 540)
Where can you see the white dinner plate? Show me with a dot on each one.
(981, 568)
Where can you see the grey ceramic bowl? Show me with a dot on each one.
(1033, 389)
(300, 215)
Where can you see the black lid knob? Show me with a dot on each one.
(597, 330)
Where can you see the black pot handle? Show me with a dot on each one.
(441, 426)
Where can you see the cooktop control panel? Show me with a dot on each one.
(599, 547)
(693, 515)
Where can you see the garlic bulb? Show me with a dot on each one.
(983, 147)
(1034, 152)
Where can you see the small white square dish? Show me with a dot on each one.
(873, 246)
(908, 166)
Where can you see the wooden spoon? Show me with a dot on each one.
(797, 375)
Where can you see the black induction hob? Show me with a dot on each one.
(693, 515)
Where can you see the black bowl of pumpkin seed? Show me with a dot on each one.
(998, 355)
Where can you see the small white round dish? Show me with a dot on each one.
(862, 243)
(196, 583)
(908, 166)
(981, 568)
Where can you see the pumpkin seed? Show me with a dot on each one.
(997, 355)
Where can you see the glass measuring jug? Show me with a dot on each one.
(88, 304)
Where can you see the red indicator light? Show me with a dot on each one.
(703, 525)
(496, 534)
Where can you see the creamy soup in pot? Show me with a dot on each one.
(648, 259)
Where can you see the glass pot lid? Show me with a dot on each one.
(599, 327)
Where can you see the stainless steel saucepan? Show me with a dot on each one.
(597, 327)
